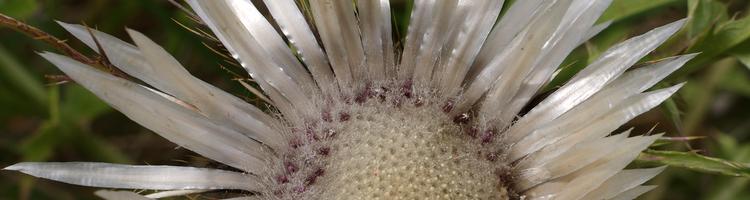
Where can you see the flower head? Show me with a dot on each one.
(356, 117)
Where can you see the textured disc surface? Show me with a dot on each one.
(407, 153)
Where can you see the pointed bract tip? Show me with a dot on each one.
(684, 58)
(15, 167)
(606, 23)
(47, 54)
(131, 32)
(672, 28)
(137, 37)
(74, 29)
(660, 169)
(51, 57)
(692, 55)
(669, 91)
(66, 25)
(654, 137)
(679, 85)
(680, 23)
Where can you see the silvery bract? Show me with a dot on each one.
(445, 114)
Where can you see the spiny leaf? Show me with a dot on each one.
(696, 162)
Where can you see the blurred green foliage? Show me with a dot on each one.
(43, 119)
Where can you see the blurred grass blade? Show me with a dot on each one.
(40, 146)
(20, 9)
(674, 113)
(736, 81)
(12, 71)
(622, 9)
(98, 149)
(695, 162)
(699, 105)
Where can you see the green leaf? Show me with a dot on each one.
(695, 162)
(716, 44)
(19, 9)
(622, 9)
(729, 188)
(742, 53)
(703, 15)
(671, 140)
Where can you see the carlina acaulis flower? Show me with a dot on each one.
(445, 116)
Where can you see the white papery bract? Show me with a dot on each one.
(357, 117)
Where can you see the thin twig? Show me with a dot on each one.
(196, 32)
(60, 45)
(186, 10)
(57, 79)
(40, 35)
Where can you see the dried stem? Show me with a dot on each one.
(61, 45)
(40, 35)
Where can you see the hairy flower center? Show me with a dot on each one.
(392, 143)
(407, 152)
